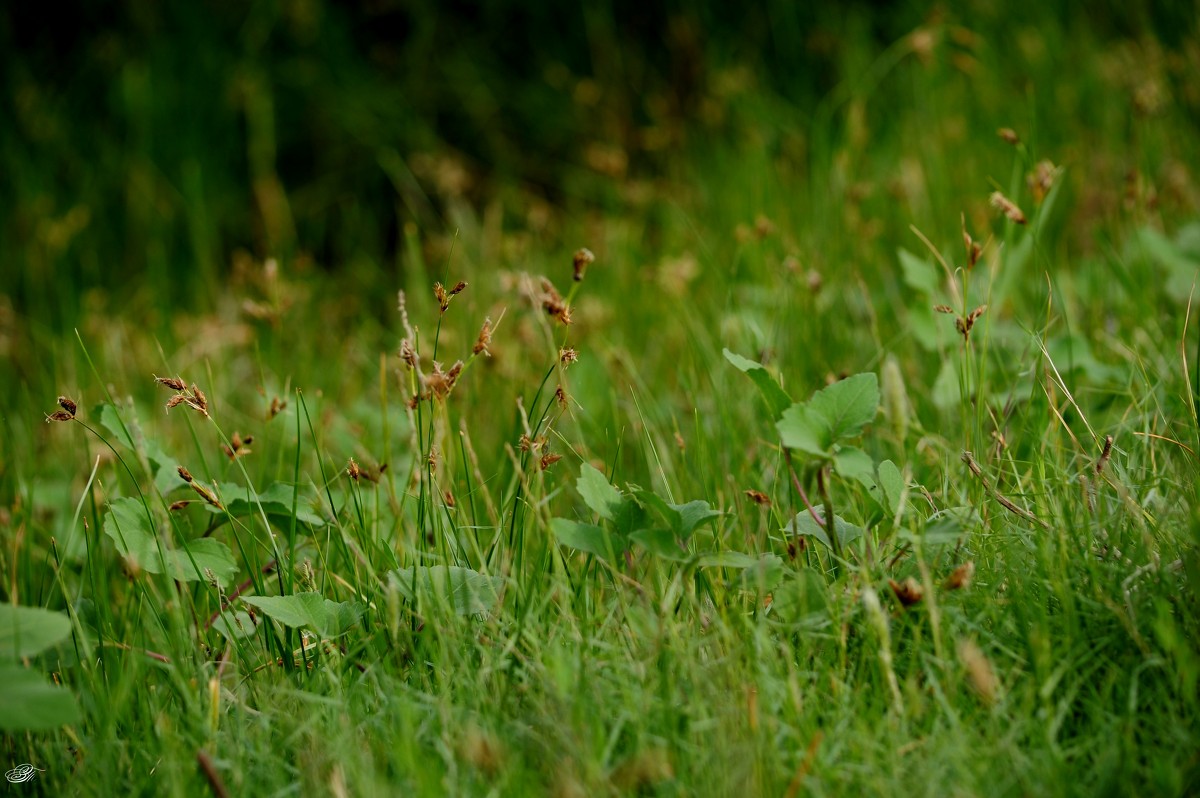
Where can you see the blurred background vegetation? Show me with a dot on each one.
(158, 158)
(148, 146)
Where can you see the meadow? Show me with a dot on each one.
(604, 437)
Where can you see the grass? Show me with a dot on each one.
(392, 573)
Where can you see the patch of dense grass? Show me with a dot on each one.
(450, 543)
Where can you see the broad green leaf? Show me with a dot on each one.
(597, 493)
(949, 526)
(852, 463)
(166, 469)
(276, 502)
(32, 703)
(728, 559)
(834, 413)
(629, 515)
(946, 392)
(800, 430)
(467, 592)
(848, 405)
(126, 523)
(919, 275)
(110, 418)
(763, 576)
(660, 542)
(923, 323)
(312, 610)
(693, 514)
(234, 625)
(802, 595)
(208, 555)
(776, 398)
(586, 537)
(804, 524)
(1181, 270)
(650, 500)
(26, 631)
(892, 483)
(682, 519)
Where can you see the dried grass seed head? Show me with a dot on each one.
(174, 383)
(960, 577)
(582, 259)
(68, 405)
(484, 339)
(1007, 207)
(758, 497)
(909, 591)
(408, 354)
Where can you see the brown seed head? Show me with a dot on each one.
(583, 257)
(960, 577)
(439, 382)
(909, 592)
(1007, 207)
(176, 400)
(59, 415)
(179, 505)
(549, 459)
(277, 406)
(1105, 454)
(68, 405)
(972, 246)
(758, 497)
(174, 383)
(353, 470)
(553, 304)
(943, 308)
(1009, 135)
(448, 497)
(567, 356)
(184, 474)
(207, 495)
(485, 338)
(979, 670)
(408, 354)
(560, 396)
(1041, 179)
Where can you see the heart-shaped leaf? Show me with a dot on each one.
(660, 542)
(467, 592)
(311, 610)
(32, 703)
(129, 527)
(27, 631)
(833, 414)
(805, 524)
(587, 537)
(597, 492)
